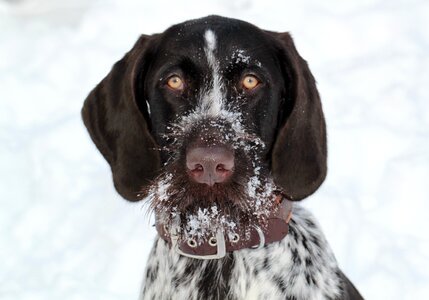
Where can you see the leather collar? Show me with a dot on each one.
(215, 247)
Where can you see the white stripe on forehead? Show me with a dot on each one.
(212, 100)
(210, 40)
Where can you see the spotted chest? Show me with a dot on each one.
(301, 266)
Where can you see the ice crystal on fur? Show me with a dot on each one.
(200, 225)
(239, 56)
(228, 123)
(160, 190)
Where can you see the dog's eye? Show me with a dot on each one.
(175, 83)
(250, 82)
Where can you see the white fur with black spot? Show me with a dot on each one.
(301, 266)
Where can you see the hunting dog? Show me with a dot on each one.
(219, 125)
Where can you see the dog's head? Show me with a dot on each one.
(213, 116)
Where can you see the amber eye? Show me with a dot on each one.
(250, 82)
(175, 83)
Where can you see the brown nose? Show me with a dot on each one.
(210, 165)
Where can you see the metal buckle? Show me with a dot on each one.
(221, 248)
(261, 237)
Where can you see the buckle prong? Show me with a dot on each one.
(261, 237)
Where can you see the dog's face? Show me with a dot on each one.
(211, 119)
(217, 69)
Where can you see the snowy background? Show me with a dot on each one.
(66, 234)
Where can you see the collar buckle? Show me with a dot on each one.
(220, 252)
(220, 243)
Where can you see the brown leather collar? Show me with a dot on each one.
(216, 246)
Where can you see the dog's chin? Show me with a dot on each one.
(204, 209)
(209, 212)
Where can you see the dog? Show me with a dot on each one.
(219, 125)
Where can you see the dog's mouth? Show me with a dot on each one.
(216, 181)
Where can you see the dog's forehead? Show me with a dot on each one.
(228, 38)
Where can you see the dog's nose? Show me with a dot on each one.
(210, 165)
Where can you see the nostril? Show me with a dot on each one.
(198, 168)
(221, 168)
(222, 172)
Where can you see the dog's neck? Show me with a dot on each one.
(301, 266)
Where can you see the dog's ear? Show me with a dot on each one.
(299, 153)
(119, 125)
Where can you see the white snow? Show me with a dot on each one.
(239, 56)
(160, 190)
(65, 234)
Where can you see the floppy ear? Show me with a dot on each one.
(299, 153)
(118, 125)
